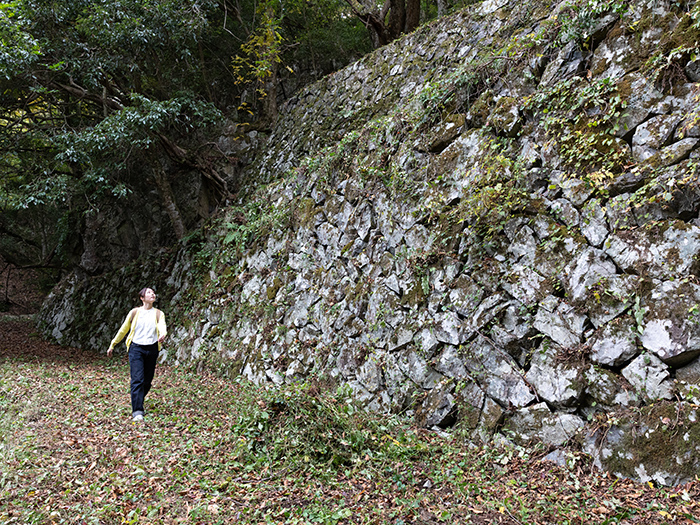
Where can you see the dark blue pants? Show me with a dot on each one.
(142, 363)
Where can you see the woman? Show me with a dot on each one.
(146, 330)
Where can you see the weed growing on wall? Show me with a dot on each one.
(580, 117)
(579, 19)
(693, 118)
(665, 65)
(497, 192)
(454, 92)
(365, 155)
(517, 52)
(244, 224)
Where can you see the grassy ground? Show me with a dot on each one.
(214, 451)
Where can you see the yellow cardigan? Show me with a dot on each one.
(129, 327)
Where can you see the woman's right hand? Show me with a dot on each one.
(109, 352)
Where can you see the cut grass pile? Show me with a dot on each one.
(216, 451)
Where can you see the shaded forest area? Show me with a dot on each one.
(21, 291)
(108, 109)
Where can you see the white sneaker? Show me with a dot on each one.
(137, 418)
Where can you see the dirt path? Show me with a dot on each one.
(20, 289)
(19, 339)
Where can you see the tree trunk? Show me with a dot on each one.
(166, 193)
(397, 17)
(403, 17)
(181, 156)
(270, 100)
(91, 258)
(412, 15)
(373, 20)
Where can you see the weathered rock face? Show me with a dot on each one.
(508, 244)
(138, 223)
(116, 235)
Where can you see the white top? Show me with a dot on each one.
(145, 332)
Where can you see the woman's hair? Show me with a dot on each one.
(142, 293)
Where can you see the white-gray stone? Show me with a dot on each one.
(650, 377)
(559, 384)
(566, 212)
(664, 252)
(653, 135)
(677, 151)
(587, 271)
(450, 364)
(417, 370)
(576, 191)
(524, 245)
(615, 345)
(497, 373)
(465, 295)
(560, 321)
(607, 390)
(671, 322)
(525, 284)
(538, 423)
(450, 329)
(593, 223)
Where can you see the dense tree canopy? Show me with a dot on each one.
(95, 90)
(95, 94)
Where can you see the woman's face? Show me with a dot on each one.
(149, 297)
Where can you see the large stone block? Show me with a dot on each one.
(556, 381)
(661, 251)
(537, 423)
(672, 322)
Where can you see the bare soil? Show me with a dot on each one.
(20, 289)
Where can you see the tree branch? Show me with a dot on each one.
(180, 155)
(81, 93)
(372, 19)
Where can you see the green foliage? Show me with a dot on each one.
(456, 91)
(497, 193)
(108, 149)
(80, 111)
(285, 38)
(321, 33)
(261, 52)
(580, 18)
(580, 117)
(300, 423)
(93, 93)
(152, 47)
(676, 48)
(639, 311)
(295, 36)
(244, 224)
(18, 48)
